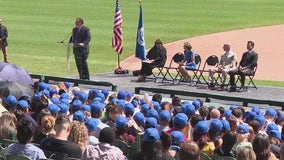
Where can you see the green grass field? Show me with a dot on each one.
(36, 25)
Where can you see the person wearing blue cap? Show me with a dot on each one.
(96, 112)
(200, 136)
(270, 115)
(79, 116)
(275, 141)
(92, 125)
(129, 112)
(242, 137)
(150, 147)
(179, 123)
(10, 103)
(139, 119)
(123, 131)
(164, 120)
(177, 140)
(150, 122)
(25, 108)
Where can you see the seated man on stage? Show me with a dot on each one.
(246, 67)
(227, 63)
(156, 57)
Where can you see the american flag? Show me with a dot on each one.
(117, 39)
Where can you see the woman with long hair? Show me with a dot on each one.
(8, 126)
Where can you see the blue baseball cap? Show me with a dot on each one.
(156, 105)
(177, 136)
(270, 127)
(55, 100)
(113, 101)
(201, 127)
(129, 94)
(153, 113)
(251, 116)
(64, 108)
(99, 99)
(188, 109)
(242, 129)
(92, 124)
(54, 109)
(139, 118)
(83, 96)
(37, 95)
(271, 112)
(135, 103)
(53, 91)
(96, 107)
(196, 104)
(77, 105)
(256, 109)
(233, 106)
(216, 125)
(121, 103)
(121, 95)
(79, 116)
(227, 113)
(165, 115)
(101, 95)
(11, 100)
(22, 104)
(151, 122)
(65, 96)
(67, 84)
(42, 86)
(144, 108)
(121, 122)
(275, 134)
(260, 119)
(128, 108)
(105, 92)
(180, 120)
(151, 135)
(87, 108)
(226, 125)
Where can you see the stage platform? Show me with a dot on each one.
(263, 96)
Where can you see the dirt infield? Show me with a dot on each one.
(268, 44)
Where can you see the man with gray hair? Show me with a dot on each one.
(227, 62)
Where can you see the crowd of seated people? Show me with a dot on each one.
(86, 125)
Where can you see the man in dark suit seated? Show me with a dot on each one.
(246, 67)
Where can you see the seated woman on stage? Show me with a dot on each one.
(156, 57)
(188, 63)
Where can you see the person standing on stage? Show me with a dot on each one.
(3, 40)
(81, 37)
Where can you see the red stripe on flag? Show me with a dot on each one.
(117, 40)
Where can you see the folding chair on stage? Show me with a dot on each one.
(211, 61)
(250, 79)
(172, 70)
(195, 71)
(160, 73)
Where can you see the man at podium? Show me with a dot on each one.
(81, 37)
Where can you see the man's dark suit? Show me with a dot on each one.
(4, 43)
(248, 62)
(81, 53)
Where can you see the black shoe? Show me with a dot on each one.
(221, 88)
(233, 89)
(241, 89)
(210, 86)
